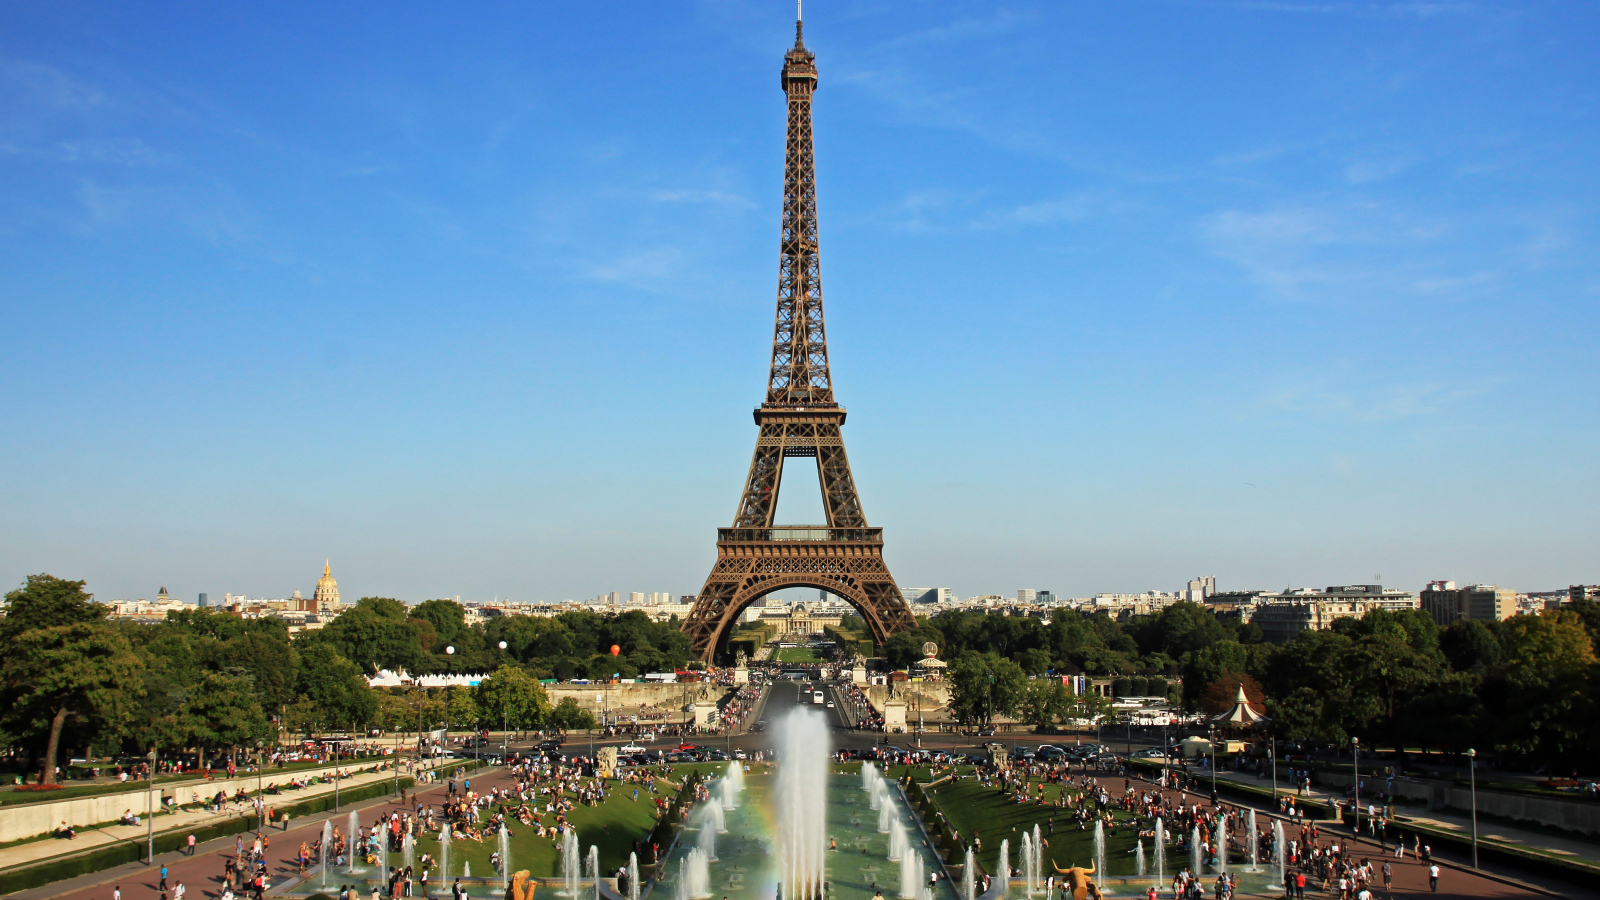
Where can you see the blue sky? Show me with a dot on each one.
(475, 299)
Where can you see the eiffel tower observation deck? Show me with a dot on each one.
(799, 419)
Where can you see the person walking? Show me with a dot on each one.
(1433, 877)
(1388, 875)
(191, 844)
(163, 887)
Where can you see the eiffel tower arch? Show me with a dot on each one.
(799, 419)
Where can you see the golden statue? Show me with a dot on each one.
(521, 887)
(1077, 878)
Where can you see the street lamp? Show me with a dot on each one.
(150, 813)
(1211, 738)
(261, 806)
(1272, 754)
(1355, 767)
(1472, 771)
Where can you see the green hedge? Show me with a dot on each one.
(661, 835)
(133, 851)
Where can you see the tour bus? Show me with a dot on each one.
(816, 697)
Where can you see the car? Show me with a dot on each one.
(630, 749)
(1048, 752)
(740, 754)
(647, 737)
(830, 704)
(688, 746)
(718, 756)
(987, 732)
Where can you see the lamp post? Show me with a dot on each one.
(1211, 738)
(150, 813)
(1355, 768)
(261, 805)
(1472, 772)
(1272, 754)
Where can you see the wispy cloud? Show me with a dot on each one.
(693, 196)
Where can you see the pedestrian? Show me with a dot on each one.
(116, 893)
(1388, 874)
(191, 844)
(163, 877)
(1433, 877)
(179, 891)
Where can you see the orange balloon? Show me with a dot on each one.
(616, 650)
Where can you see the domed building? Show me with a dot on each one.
(327, 595)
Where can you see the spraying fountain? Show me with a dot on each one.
(1099, 851)
(505, 854)
(707, 842)
(352, 831)
(444, 856)
(1003, 870)
(910, 875)
(1028, 886)
(1222, 844)
(1038, 860)
(1255, 844)
(969, 877)
(1161, 853)
(1280, 850)
(571, 866)
(717, 820)
(802, 805)
(382, 842)
(885, 813)
(466, 868)
(898, 844)
(1195, 860)
(408, 851)
(327, 848)
(1138, 859)
(695, 876)
(633, 876)
(594, 869)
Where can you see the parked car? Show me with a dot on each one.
(630, 749)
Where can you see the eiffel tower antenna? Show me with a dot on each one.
(799, 419)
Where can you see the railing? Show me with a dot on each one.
(798, 533)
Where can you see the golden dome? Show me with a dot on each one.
(327, 576)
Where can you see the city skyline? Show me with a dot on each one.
(1308, 320)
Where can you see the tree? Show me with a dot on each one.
(85, 673)
(1550, 675)
(1045, 702)
(461, 710)
(375, 634)
(337, 691)
(568, 715)
(45, 601)
(448, 618)
(513, 698)
(983, 685)
(226, 713)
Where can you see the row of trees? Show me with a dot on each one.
(204, 680)
(1525, 687)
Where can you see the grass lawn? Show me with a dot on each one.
(612, 826)
(71, 792)
(796, 655)
(968, 805)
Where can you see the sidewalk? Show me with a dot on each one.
(1444, 819)
(181, 821)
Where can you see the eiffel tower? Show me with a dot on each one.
(800, 419)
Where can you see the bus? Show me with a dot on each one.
(816, 697)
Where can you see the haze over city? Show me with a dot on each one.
(477, 301)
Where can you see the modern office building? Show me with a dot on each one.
(1449, 604)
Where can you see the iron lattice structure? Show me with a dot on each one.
(799, 418)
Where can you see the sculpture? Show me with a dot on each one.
(1077, 878)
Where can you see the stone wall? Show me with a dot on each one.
(1573, 815)
(932, 697)
(628, 698)
(33, 819)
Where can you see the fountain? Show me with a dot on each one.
(1138, 859)
(571, 867)
(707, 841)
(717, 820)
(694, 876)
(1003, 868)
(1029, 888)
(633, 876)
(352, 831)
(910, 875)
(802, 805)
(505, 854)
(1222, 844)
(327, 848)
(877, 793)
(1038, 860)
(898, 844)
(885, 814)
(1279, 849)
(594, 869)
(1099, 851)
(408, 850)
(1255, 844)
(466, 868)
(381, 840)
(444, 856)
(1161, 852)
(969, 877)
(1195, 858)
(869, 773)
(735, 778)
